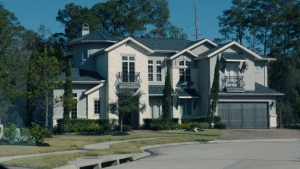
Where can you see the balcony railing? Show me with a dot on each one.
(130, 79)
(233, 83)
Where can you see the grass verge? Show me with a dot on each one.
(55, 160)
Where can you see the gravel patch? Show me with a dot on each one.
(251, 134)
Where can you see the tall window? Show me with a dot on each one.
(74, 107)
(151, 108)
(185, 107)
(158, 70)
(184, 75)
(150, 70)
(97, 107)
(128, 68)
(84, 54)
(155, 108)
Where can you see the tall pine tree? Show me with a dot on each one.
(166, 107)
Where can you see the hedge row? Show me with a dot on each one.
(200, 119)
(148, 123)
(81, 125)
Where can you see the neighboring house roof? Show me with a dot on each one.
(187, 93)
(259, 90)
(157, 90)
(95, 36)
(80, 75)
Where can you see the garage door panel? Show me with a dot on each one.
(244, 115)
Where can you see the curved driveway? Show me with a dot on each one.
(232, 155)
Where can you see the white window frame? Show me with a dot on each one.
(72, 111)
(150, 65)
(185, 74)
(99, 107)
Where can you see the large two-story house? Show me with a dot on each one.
(103, 64)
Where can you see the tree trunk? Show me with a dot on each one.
(121, 127)
(46, 121)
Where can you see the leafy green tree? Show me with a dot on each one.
(42, 80)
(68, 99)
(214, 91)
(121, 18)
(75, 15)
(167, 98)
(128, 102)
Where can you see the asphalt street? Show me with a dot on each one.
(227, 155)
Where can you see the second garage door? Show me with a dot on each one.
(244, 115)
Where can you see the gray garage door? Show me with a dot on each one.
(244, 115)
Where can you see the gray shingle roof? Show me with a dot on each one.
(186, 93)
(156, 90)
(232, 56)
(82, 75)
(164, 43)
(95, 36)
(259, 90)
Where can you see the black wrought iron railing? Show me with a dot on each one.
(128, 77)
(233, 81)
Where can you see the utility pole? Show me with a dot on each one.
(196, 20)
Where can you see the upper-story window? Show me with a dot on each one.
(84, 54)
(184, 63)
(128, 68)
(184, 75)
(158, 70)
(150, 70)
(181, 63)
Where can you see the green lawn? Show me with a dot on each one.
(76, 142)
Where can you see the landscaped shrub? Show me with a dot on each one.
(158, 127)
(148, 123)
(200, 125)
(93, 127)
(125, 127)
(81, 125)
(39, 133)
(107, 126)
(220, 125)
(183, 126)
(10, 133)
(200, 119)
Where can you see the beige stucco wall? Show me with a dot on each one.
(115, 66)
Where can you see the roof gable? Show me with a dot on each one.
(220, 48)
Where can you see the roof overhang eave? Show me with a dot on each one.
(90, 41)
(251, 94)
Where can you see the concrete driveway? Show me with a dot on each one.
(246, 149)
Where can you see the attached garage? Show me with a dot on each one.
(244, 115)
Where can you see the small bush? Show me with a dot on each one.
(107, 126)
(10, 133)
(157, 127)
(220, 125)
(148, 123)
(39, 133)
(92, 128)
(125, 127)
(183, 126)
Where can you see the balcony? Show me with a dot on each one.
(233, 84)
(128, 80)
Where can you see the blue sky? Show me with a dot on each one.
(32, 13)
